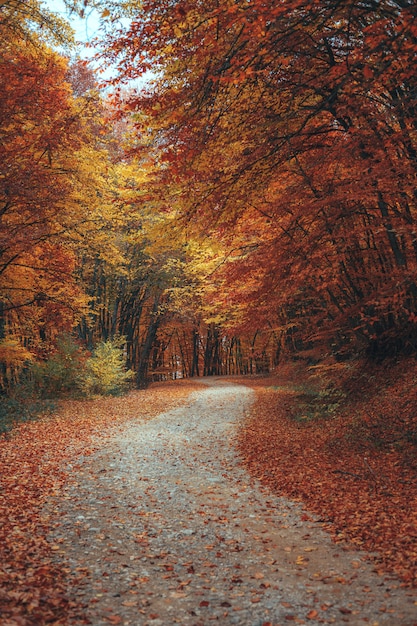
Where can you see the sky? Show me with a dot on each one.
(85, 29)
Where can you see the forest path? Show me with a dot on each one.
(163, 526)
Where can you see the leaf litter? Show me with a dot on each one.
(159, 523)
(33, 587)
(365, 494)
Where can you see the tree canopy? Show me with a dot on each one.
(288, 131)
(247, 178)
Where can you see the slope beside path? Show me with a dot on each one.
(162, 525)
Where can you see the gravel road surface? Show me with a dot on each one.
(163, 526)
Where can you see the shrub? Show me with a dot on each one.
(105, 371)
(58, 375)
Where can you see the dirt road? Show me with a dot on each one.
(162, 526)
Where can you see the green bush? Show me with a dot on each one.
(67, 372)
(58, 375)
(105, 371)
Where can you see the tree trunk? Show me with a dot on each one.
(146, 350)
(195, 369)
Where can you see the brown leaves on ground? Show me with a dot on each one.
(355, 468)
(31, 457)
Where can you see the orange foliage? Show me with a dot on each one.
(287, 131)
(41, 132)
(355, 469)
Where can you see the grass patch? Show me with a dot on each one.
(15, 411)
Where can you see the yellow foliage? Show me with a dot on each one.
(13, 354)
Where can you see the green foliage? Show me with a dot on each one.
(105, 371)
(314, 403)
(321, 395)
(17, 410)
(320, 404)
(68, 372)
(58, 375)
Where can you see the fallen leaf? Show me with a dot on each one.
(114, 619)
(312, 614)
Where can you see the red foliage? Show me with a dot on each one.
(288, 132)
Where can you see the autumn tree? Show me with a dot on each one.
(132, 290)
(288, 130)
(30, 20)
(55, 191)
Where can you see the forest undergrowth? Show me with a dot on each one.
(347, 450)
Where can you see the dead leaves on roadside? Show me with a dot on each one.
(32, 586)
(368, 499)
